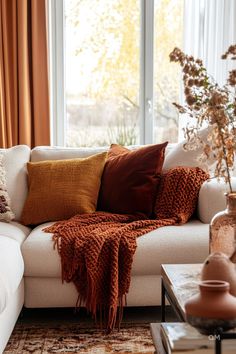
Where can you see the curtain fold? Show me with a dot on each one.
(210, 28)
(24, 86)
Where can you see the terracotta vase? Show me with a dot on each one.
(223, 228)
(213, 307)
(218, 266)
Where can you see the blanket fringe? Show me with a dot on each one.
(111, 318)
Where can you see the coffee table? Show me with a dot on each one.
(178, 283)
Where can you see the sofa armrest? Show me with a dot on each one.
(211, 198)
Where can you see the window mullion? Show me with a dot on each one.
(57, 72)
(147, 70)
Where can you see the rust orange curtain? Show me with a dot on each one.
(24, 88)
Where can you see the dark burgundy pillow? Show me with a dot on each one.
(130, 179)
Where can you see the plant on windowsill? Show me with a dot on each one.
(208, 104)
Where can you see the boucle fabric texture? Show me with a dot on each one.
(130, 179)
(6, 214)
(97, 249)
(60, 189)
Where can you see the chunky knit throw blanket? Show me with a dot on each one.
(97, 249)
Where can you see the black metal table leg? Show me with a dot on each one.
(218, 344)
(219, 336)
(163, 301)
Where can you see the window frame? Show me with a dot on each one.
(57, 72)
(146, 72)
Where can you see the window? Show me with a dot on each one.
(112, 81)
(115, 83)
(102, 50)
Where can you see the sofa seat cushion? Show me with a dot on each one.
(187, 243)
(14, 230)
(11, 269)
(40, 256)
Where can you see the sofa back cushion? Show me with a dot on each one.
(15, 160)
(42, 153)
(212, 198)
(61, 189)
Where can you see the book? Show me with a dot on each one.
(205, 351)
(180, 336)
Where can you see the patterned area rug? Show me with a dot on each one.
(77, 338)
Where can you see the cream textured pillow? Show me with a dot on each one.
(60, 189)
(180, 157)
(6, 213)
(15, 161)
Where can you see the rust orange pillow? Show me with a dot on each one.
(62, 188)
(178, 193)
(130, 179)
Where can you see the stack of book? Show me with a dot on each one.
(181, 338)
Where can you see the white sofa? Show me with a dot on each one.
(30, 271)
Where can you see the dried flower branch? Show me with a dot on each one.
(211, 105)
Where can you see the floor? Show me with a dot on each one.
(131, 314)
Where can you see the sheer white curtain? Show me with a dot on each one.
(209, 29)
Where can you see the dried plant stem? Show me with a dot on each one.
(213, 105)
(227, 169)
(226, 160)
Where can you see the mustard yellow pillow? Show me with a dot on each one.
(60, 189)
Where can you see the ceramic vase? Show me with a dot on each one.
(223, 228)
(212, 308)
(218, 266)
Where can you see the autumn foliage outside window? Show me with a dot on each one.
(103, 42)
